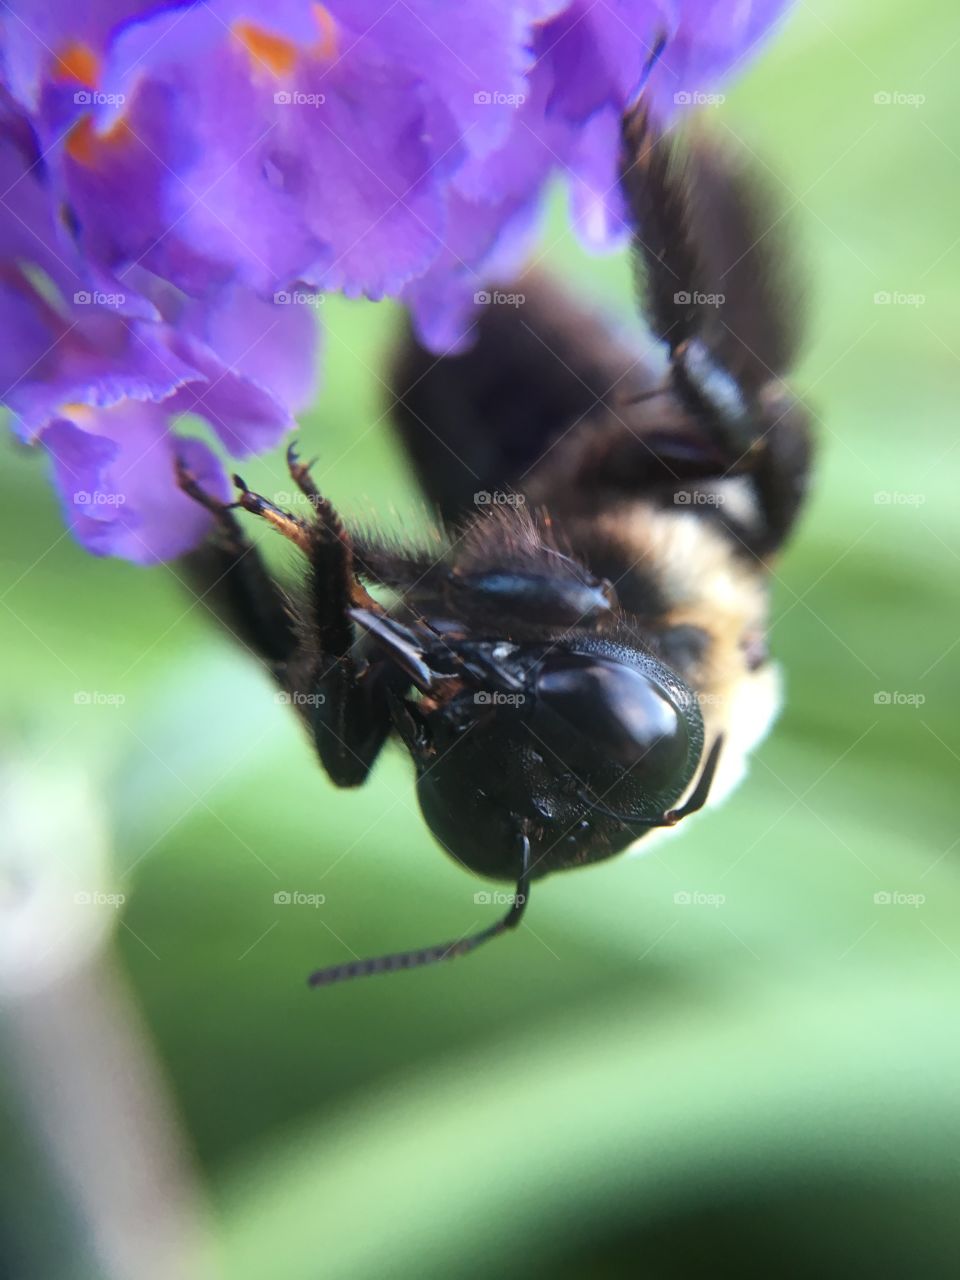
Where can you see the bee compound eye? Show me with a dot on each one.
(618, 711)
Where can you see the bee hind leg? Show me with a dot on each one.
(717, 289)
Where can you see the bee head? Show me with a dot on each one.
(582, 744)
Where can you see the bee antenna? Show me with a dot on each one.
(698, 798)
(445, 950)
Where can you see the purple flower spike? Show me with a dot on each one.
(177, 180)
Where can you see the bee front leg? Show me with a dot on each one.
(228, 576)
(308, 647)
(351, 716)
(292, 527)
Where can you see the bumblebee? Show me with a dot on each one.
(581, 657)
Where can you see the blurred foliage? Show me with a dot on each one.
(630, 1084)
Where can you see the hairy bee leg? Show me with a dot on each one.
(675, 281)
(329, 521)
(717, 292)
(351, 716)
(481, 420)
(188, 483)
(664, 247)
(229, 576)
(292, 527)
(300, 475)
(780, 478)
(683, 266)
(345, 707)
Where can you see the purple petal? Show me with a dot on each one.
(39, 35)
(599, 212)
(472, 57)
(492, 243)
(271, 343)
(176, 176)
(115, 475)
(712, 40)
(322, 175)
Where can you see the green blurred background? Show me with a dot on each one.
(630, 1085)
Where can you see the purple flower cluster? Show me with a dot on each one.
(176, 177)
